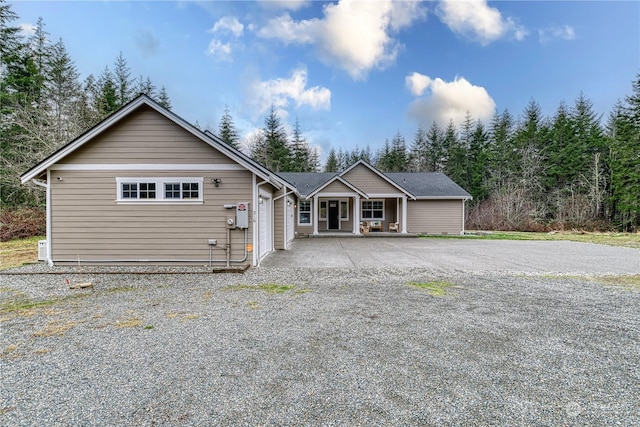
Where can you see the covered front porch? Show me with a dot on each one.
(340, 214)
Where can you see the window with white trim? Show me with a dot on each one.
(372, 209)
(166, 190)
(344, 209)
(322, 214)
(304, 212)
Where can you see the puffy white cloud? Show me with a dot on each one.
(228, 24)
(279, 92)
(564, 32)
(225, 25)
(353, 35)
(478, 21)
(449, 101)
(220, 50)
(417, 83)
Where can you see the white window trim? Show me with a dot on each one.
(304, 224)
(160, 196)
(326, 208)
(362, 218)
(345, 201)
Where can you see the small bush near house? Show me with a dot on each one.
(17, 223)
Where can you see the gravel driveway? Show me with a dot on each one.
(319, 346)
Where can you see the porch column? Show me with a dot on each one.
(356, 214)
(315, 215)
(404, 214)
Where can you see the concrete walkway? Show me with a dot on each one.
(464, 255)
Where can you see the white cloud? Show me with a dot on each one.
(417, 83)
(228, 24)
(449, 101)
(353, 35)
(285, 4)
(564, 32)
(225, 25)
(220, 50)
(279, 92)
(27, 29)
(477, 21)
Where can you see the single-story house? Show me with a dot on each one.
(145, 186)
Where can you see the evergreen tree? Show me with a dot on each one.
(227, 130)
(302, 157)
(625, 160)
(107, 95)
(63, 92)
(122, 80)
(277, 147)
(332, 164)
(455, 163)
(478, 155)
(163, 98)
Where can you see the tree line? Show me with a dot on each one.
(530, 172)
(44, 103)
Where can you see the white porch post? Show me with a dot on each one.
(404, 214)
(356, 214)
(315, 215)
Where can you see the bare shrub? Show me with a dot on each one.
(21, 222)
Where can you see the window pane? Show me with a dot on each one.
(305, 218)
(344, 210)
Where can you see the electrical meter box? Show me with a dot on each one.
(242, 214)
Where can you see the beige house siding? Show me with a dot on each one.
(87, 222)
(366, 180)
(434, 216)
(279, 229)
(336, 187)
(143, 137)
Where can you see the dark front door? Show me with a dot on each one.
(334, 215)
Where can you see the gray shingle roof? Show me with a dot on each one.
(420, 184)
(306, 182)
(428, 184)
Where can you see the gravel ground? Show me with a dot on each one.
(336, 347)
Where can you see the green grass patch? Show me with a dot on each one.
(22, 303)
(17, 252)
(628, 240)
(270, 288)
(436, 288)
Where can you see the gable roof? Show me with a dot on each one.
(380, 174)
(429, 185)
(124, 111)
(339, 179)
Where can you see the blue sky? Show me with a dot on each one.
(354, 73)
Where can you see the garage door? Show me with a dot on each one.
(264, 219)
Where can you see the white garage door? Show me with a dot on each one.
(264, 219)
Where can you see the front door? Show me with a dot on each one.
(334, 215)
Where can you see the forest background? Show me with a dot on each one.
(577, 169)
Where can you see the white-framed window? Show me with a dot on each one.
(372, 209)
(322, 213)
(304, 212)
(344, 210)
(160, 190)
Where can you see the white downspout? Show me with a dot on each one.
(47, 188)
(315, 215)
(404, 214)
